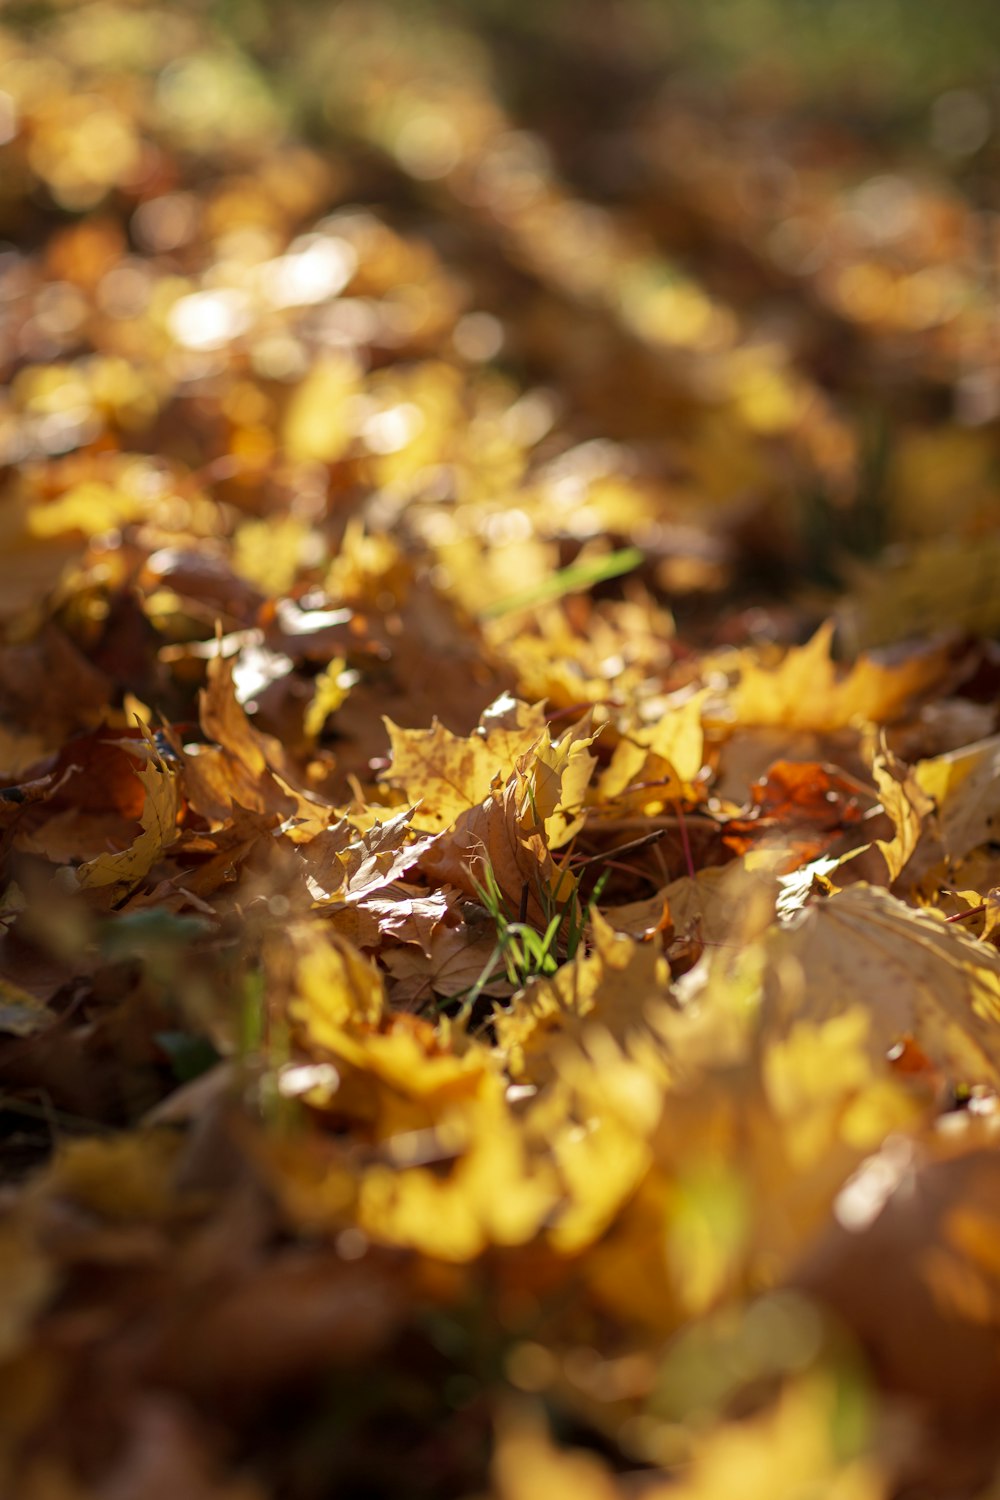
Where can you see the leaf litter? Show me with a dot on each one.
(499, 987)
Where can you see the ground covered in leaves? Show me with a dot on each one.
(499, 770)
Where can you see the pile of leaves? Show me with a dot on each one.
(499, 867)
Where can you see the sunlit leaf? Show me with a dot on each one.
(159, 829)
(807, 690)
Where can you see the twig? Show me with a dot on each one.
(962, 916)
(685, 842)
(629, 848)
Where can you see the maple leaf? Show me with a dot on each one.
(907, 804)
(494, 1194)
(807, 691)
(32, 563)
(602, 1165)
(528, 1463)
(949, 583)
(613, 987)
(560, 773)
(246, 766)
(782, 1452)
(346, 867)
(449, 963)
(159, 830)
(662, 761)
(448, 773)
(499, 836)
(332, 687)
(917, 976)
(963, 787)
(336, 987)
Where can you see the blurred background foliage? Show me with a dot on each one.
(756, 240)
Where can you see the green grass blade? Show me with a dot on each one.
(575, 579)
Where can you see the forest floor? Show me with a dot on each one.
(499, 578)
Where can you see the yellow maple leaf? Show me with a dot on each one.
(908, 805)
(560, 774)
(345, 866)
(494, 1194)
(159, 829)
(447, 773)
(664, 759)
(616, 986)
(91, 507)
(528, 1464)
(791, 1449)
(496, 841)
(270, 552)
(330, 690)
(949, 583)
(964, 788)
(808, 691)
(319, 423)
(916, 976)
(336, 987)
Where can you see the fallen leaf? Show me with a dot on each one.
(807, 691)
(916, 976)
(661, 763)
(617, 986)
(907, 804)
(159, 830)
(498, 836)
(446, 774)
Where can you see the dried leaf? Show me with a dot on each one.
(662, 762)
(916, 975)
(448, 774)
(808, 692)
(906, 803)
(159, 825)
(616, 986)
(499, 836)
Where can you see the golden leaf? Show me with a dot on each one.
(447, 773)
(346, 867)
(948, 583)
(908, 805)
(248, 767)
(560, 774)
(964, 787)
(336, 987)
(616, 987)
(159, 830)
(807, 690)
(493, 837)
(318, 422)
(270, 552)
(789, 1450)
(527, 1464)
(91, 508)
(493, 1195)
(664, 758)
(915, 975)
(329, 692)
